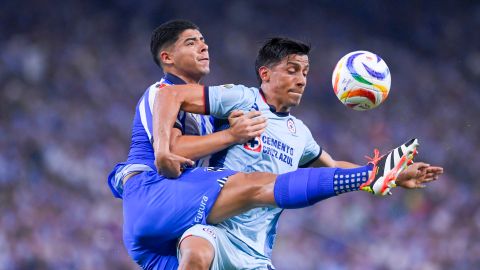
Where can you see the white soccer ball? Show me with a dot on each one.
(361, 80)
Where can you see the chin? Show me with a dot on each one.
(205, 71)
(295, 103)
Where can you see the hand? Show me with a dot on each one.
(417, 175)
(171, 165)
(244, 127)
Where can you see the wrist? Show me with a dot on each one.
(229, 136)
(161, 148)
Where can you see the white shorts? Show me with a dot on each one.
(230, 253)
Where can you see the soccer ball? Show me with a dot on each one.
(361, 80)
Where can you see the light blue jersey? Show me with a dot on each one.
(285, 145)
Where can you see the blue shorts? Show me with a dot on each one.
(156, 212)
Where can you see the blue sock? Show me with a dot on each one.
(305, 187)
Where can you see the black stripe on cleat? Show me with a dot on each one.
(400, 152)
(392, 159)
(407, 144)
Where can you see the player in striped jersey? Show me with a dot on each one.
(246, 241)
(184, 59)
(157, 210)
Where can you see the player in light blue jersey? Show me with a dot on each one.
(246, 241)
(158, 210)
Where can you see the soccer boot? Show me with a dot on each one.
(387, 167)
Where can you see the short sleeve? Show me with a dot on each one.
(311, 152)
(221, 100)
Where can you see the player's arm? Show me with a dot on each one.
(242, 128)
(315, 156)
(326, 160)
(417, 175)
(190, 98)
(166, 106)
(196, 147)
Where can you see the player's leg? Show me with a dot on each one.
(158, 210)
(195, 253)
(242, 192)
(306, 187)
(227, 254)
(136, 228)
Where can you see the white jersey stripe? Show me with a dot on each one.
(151, 96)
(143, 117)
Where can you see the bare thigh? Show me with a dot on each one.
(241, 193)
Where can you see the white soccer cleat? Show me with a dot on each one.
(387, 168)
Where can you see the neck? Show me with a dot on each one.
(272, 100)
(185, 77)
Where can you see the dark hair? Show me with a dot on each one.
(167, 34)
(277, 48)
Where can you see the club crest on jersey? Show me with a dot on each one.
(291, 126)
(228, 86)
(160, 85)
(209, 231)
(254, 145)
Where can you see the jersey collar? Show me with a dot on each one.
(272, 108)
(172, 79)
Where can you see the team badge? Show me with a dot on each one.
(291, 126)
(228, 86)
(209, 231)
(160, 85)
(254, 145)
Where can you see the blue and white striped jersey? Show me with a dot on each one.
(141, 148)
(285, 145)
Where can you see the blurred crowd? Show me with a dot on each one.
(71, 74)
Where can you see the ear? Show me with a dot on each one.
(166, 57)
(264, 73)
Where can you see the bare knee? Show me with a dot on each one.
(196, 254)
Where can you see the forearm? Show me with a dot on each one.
(196, 147)
(325, 160)
(335, 164)
(168, 102)
(345, 164)
(165, 111)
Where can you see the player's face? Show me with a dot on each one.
(189, 55)
(288, 79)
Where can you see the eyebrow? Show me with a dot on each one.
(297, 64)
(193, 39)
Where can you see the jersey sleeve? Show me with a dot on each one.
(311, 152)
(221, 100)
